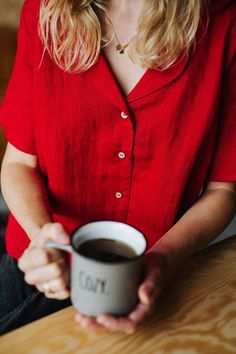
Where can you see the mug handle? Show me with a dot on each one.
(59, 246)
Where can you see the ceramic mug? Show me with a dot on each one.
(99, 287)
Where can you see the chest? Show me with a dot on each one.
(88, 107)
(126, 72)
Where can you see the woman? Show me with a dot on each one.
(120, 110)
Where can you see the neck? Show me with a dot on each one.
(126, 7)
(124, 16)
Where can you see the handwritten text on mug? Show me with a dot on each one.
(89, 283)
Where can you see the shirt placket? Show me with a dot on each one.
(122, 166)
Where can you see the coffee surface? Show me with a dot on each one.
(106, 250)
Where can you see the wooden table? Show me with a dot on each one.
(196, 314)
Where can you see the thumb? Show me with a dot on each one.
(150, 288)
(59, 234)
(153, 282)
(51, 232)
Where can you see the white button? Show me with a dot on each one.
(124, 115)
(119, 195)
(121, 155)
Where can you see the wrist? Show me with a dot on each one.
(169, 255)
(159, 258)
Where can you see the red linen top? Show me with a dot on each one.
(141, 158)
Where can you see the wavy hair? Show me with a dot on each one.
(72, 32)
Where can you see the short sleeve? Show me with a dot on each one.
(16, 109)
(224, 161)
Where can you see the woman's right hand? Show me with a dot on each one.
(47, 268)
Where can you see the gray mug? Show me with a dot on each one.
(99, 287)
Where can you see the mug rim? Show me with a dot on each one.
(107, 262)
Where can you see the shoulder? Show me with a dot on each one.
(30, 13)
(222, 7)
(31, 5)
(30, 17)
(222, 20)
(219, 17)
(217, 32)
(223, 11)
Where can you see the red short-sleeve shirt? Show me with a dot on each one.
(140, 159)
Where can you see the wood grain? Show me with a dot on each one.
(195, 315)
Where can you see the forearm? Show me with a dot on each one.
(201, 224)
(26, 196)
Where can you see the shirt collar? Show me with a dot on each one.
(101, 76)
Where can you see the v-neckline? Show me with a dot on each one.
(101, 76)
(139, 81)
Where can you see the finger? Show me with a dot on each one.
(87, 321)
(56, 285)
(117, 324)
(62, 295)
(34, 258)
(152, 285)
(46, 273)
(148, 292)
(54, 232)
(141, 312)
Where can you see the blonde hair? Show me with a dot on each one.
(72, 32)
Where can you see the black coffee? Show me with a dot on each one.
(105, 250)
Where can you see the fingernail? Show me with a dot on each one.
(148, 295)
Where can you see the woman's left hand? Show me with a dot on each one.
(156, 276)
